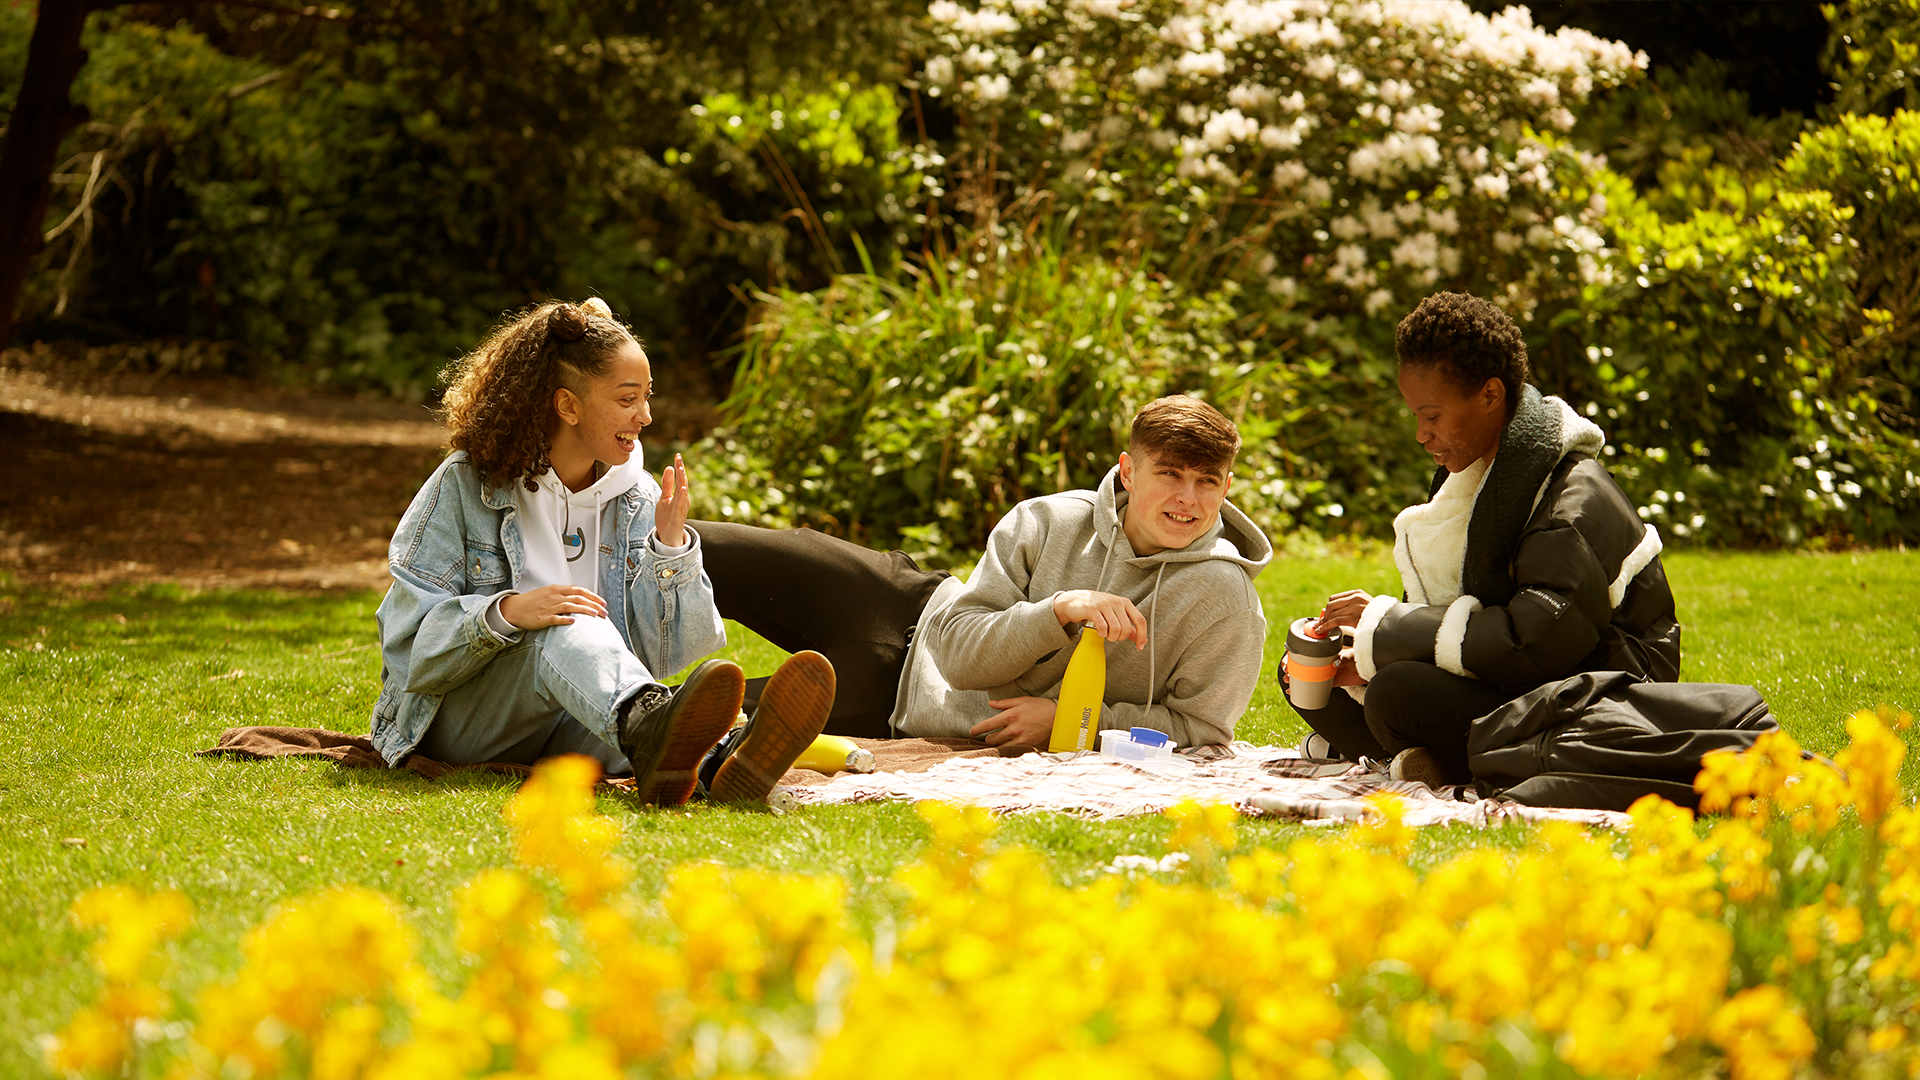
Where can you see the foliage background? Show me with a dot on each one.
(889, 232)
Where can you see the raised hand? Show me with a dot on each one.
(1112, 617)
(551, 605)
(676, 503)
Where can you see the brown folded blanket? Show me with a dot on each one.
(890, 755)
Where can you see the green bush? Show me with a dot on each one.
(916, 414)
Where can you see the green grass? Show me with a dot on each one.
(104, 697)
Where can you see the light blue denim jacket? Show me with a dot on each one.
(459, 544)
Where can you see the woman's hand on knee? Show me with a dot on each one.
(1344, 609)
(551, 605)
(676, 503)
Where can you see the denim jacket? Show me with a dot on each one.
(459, 544)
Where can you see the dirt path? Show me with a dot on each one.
(202, 482)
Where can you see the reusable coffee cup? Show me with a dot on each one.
(1311, 659)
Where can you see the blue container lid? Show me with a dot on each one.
(1146, 736)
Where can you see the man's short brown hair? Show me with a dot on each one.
(1186, 433)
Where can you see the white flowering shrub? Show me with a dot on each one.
(1341, 157)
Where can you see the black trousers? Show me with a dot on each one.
(1409, 704)
(802, 589)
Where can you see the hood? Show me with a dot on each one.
(1542, 432)
(616, 481)
(1234, 538)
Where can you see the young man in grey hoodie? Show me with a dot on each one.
(1155, 560)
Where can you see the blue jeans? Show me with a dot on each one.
(558, 690)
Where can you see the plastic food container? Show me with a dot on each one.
(1139, 744)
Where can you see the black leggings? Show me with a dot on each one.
(802, 589)
(1409, 704)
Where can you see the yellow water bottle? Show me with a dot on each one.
(1076, 719)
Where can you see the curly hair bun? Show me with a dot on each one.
(596, 306)
(568, 322)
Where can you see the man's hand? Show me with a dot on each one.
(1021, 721)
(1343, 609)
(1112, 617)
(676, 503)
(551, 605)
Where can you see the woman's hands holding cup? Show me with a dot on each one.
(1343, 610)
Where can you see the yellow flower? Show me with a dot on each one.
(1386, 828)
(1872, 761)
(555, 828)
(1763, 1035)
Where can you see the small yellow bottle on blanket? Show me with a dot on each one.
(1076, 719)
(832, 754)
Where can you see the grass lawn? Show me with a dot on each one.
(103, 699)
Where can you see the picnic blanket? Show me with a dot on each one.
(1260, 780)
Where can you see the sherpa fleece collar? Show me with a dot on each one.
(1542, 432)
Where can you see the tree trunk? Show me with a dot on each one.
(42, 116)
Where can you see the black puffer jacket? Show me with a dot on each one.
(1530, 570)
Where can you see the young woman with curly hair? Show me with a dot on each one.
(542, 581)
(1526, 566)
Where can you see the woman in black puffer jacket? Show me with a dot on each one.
(1527, 565)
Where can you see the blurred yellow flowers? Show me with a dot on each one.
(1682, 948)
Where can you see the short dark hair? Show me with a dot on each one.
(1186, 433)
(1468, 339)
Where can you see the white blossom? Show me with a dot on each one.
(1269, 262)
(1417, 252)
(1347, 227)
(1287, 173)
(1073, 142)
(1227, 128)
(1561, 118)
(939, 71)
(1294, 102)
(1420, 119)
(1029, 7)
(1493, 185)
(1396, 92)
(1505, 242)
(1474, 160)
(977, 58)
(1211, 64)
(1317, 189)
(1283, 287)
(991, 87)
(1249, 96)
(1381, 224)
(1541, 92)
(1321, 67)
(944, 11)
(1376, 301)
(1150, 78)
(1106, 9)
(1279, 138)
(1443, 221)
(1186, 32)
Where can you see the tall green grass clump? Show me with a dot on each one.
(917, 412)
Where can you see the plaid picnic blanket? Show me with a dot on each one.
(1260, 780)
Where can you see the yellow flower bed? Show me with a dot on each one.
(1772, 940)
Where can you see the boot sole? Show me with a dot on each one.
(704, 708)
(793, 709)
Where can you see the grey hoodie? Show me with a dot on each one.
(995, 635)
